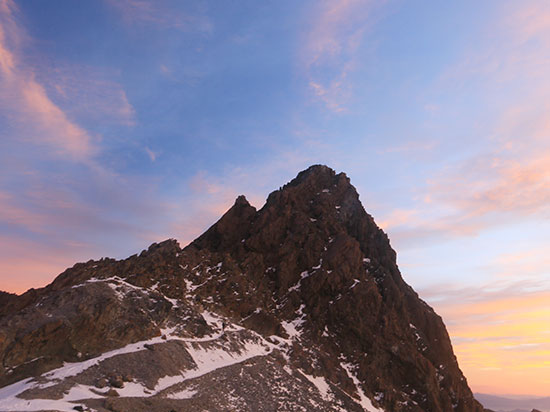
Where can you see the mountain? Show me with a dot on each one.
(504, 404)
(298, 306)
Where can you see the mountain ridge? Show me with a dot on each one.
(310, 276)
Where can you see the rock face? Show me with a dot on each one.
(297, 306)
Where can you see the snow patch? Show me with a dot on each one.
(365, 402)
(210, 359)
(10, 401)
(291, 327)
(184, 394)
(321, 385)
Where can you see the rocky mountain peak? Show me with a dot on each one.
(321, 176)
(303, 295)
(241, 201)
(312, 186)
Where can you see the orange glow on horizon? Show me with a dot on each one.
(503, 345)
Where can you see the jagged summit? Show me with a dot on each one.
(317, 174)
(297, 306)
(313, 181)
(241, 201)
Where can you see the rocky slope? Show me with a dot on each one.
(298, 306)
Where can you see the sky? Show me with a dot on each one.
(126, 122)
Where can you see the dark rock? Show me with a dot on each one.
(311, 255)
(315, 225)
(101, 383)
(112, 393)
(116, 381)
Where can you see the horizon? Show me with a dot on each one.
(129, 122)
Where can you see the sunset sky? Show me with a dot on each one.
(125, 122)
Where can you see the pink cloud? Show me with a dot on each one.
(493, 184)
(28, 101)
(152, 155)
(529, 19)
(509, 175)
(64, 134)
(333, 31)
(160, 14)
(412, 146)
(398, 217)
(49, 228)
(26, 263)
(328, 55)
(487, 326)
(32, 96)
(11, 213)
(87, 93)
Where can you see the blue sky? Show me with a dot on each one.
(127, 122)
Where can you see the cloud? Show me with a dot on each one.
(86, 214)
(59, 203)
(95, 100)
(493, 183)
(528, 20)
(397, 217)
(329, 52)
(58, 191)
(532, 261)
(13, 214)
(479, 193)
(152, 155)
(489, 323)
(502, 172)
(412, 146)
(26, 101)
(330, 36)
(521, 346)
(28, 264)
(162, 14)
(65, 135)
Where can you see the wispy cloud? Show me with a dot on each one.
(330, 49)
(489, 323)
(50, 227)
(89, 93)
(11, 213)
(26, 263)
(152, 155)
(25, 98)
(412, 146)
(497, 178)
(506, 173)
(497, 184)
(54, 187)
(162, 14)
